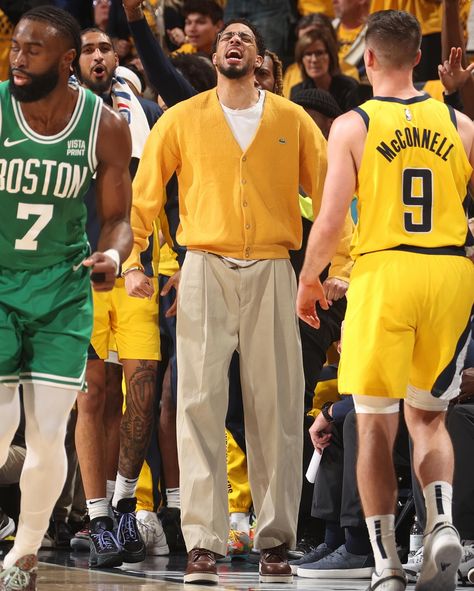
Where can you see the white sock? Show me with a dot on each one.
(173, 498)
(97, 508)
(240, 522)
(124, 489)
(382, 537)
(110, 489)
(438, 500)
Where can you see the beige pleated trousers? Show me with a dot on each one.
(223, 308)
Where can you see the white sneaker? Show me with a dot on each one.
(413, 565)
(442, 556)
(390, 579)
(152, 533)
(467, 560)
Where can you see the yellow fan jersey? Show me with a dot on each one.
(413, 177)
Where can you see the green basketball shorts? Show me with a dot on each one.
(45, 325)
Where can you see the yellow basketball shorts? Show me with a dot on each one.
(406, 319)
(132, 322)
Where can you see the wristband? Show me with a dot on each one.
(130, 269)
(114, 255)
(325, 412)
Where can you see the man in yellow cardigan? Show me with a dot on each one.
(240, 155)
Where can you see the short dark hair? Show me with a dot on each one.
(260, 42)
(64, 23)
(197, 68)
(96, 30)
(396, 35)
(329, 43)
(205, 7)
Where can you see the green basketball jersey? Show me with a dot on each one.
(42, 183)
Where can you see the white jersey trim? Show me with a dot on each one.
(93, 135)
(50, 139)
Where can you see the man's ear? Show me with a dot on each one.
(69, 57)
(214, 59)
(258, 61)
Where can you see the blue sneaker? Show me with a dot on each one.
(128, 534)
(339, 564)
(104, 550)
(312, 556)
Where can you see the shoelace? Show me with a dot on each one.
(200, 552)
(127, 529)
(105, 540)
(14, 578)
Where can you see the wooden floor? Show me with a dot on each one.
(63, 571)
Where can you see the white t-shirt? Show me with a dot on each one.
(244, 122)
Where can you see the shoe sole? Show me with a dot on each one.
(106, 562)
(346, 573)
(132, 558)
(275, 579)
(441, 576)
(202, 578)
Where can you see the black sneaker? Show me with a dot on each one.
(170, 518)
(105, 551)
(303, 546)
(128, 534)
(60, 533)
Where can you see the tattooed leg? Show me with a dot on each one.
(135, 430)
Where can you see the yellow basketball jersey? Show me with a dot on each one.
(413, 177)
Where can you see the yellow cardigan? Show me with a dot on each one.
(232, 203)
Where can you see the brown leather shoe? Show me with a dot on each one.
(201, 567)
(274, 567)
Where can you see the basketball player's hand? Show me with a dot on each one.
(451, 73)
(103, 271)
(138, 285)
(310, 294)
(173, 281)
(320, 433)
(335, 289)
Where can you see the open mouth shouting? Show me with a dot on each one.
(99, 71)
(234, 56)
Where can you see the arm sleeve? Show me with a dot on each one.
(341, 408)
(163, 76)
(454, 100)
(157, 165)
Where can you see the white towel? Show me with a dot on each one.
(127, 104)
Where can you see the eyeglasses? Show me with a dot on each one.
(245, 37)
(316, 54)
(100, 2)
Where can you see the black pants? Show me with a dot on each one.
(336, 497)
(460, 425)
